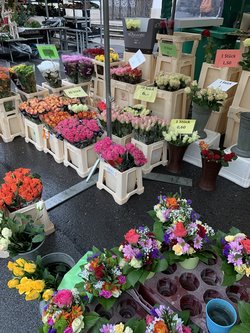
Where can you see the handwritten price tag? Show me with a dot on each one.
(227, 58)
(47, 51)
(147, 94)
(168, 50)
(183, 126)
(222, 84)
(76, 92)
(137, 59)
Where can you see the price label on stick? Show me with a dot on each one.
(147, 94)
(47, 51)
(222, 84)
(168, 50)
(137, 59)
(76, 92)
(227, 58)
(183, 126)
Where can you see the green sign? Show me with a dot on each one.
(147, 94)
(183, 126)
(168, 50)
(47, 51)
(75, 92)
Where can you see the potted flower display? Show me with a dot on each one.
(79, 136)
(5, 83)
(234, 250)
(177, 145)
(92, 52)
(77, 68)
(20, 237)
(102, 277)
(137, 110)
(204, 102)
(100, 59)
(212, 161)
(140, 255)
(50, 71)
(147, 136)
(120, 169)
(126, 74)
(133, 24)
(24, 78)
(172, 81)
(85, 69)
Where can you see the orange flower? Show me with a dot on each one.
(203, 145)
(161, 327)
(172, 203)
(94, 264)
(76, 311)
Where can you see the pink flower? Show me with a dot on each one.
(132, 236)
(122, 279)
(149, 319)
(68, 330)
(186, 329)
(105, 293)
(63, 298)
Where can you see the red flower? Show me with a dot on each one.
(206, 33)
(246, 245)
(180, 230)
(201, 231)
(217, 157)
(99, 271)
(131, 236)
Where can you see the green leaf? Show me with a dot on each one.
(184, 315)
(107, 303)
(162, 265)
(234, 231)
(80, 286)
(38, 238)
(158, 231)
(144, 276)
(90, 319)
(229, 274)
(242, 328)
(138, 326)
(96, 328)
(116, 251)
(195, 329)
(134, 276)
(244, 312)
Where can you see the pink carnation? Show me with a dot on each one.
(63, 298)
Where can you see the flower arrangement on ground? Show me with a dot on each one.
(32, 279)
(120, 157)
(5, 83)
(245, 62)
(102, 277)
(133, 24)
(163, 319)
(64, 313)
(19, 235)
(141, 252)
(25, 76)
(20, 189)
(175, 138)
(80, 133)
(207, 98)
(115, 328)
(148, 129)
(50, 70)
(126, 74)
(172, 81)
(137, 110)
(234, 250)
(216, 155)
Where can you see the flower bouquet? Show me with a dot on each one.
(216, 155)
(24, 77)
(116, 328)
(70, 63)
(64, 313)
(92, 52)
(85, 69)
(172, 81)
(148, 129)
(50, 70)
(137, 110)
(133, 24)
(120, 157)
(165, 320)
(126, 74)
(80, 133)
(140, 252)
(5, 83)
(102, 277)
(245, 62)
(20, 189)
(234, 250)
(19, 235)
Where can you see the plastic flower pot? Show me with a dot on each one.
(190, 263)
(176, 154)
(32, 254)
(210, 171)
(201, 114)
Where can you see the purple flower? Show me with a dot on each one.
(105, 293)
(194, 216)
(189, 202)
(68, 330)
(107, 328)
(166, 238)
(141, 229)
(198, 242)
(226, 250)
(128, 251)
(95, 255)
(138, 256)
(51, 330)
(155, 254)
(122, 279)
(50, 321)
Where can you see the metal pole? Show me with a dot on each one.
(107, 65)
(173, 10)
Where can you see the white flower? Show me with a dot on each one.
(246, 42)
(210, 98)
(187, 90)
(120, 248)
(6, 233)
(40, 205)
(116, 293)
(135, 263)
(160, 216)
(194, 83)
(77, 324)
(45, 318)
(122, 263)
(4, 243)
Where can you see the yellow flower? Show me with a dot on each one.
(248, 271)
(191, 250)
(13, 283)
(240, 269)
(119, 328)
(24, 287)
(38, 285)
(48, 294)
(177, 248)
(29, 267)
(246, 42)
(31, 296)
(18, 271)
(229, 238)
(11, 265)
(21, 262)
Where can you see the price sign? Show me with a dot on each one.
(137, 59)
(76, 92)
(183, 126)
(222, 84)
(147, 94)
(227, 58)
(47, 51)
(168, 50)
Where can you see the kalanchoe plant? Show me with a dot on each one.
(208, 98)
(172, 81)
(245, 62)
(216, 155)
(133, 24)
(175, 138)
(19, 235)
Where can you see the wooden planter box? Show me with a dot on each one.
(11, 124)
(121, 185)
(99, 67)
(122, 141)
(33, 133)
(99, 88)
(185, 65)
(41, 92)
(53, 146)
(39, 216)
(82, 160)
(58, 91)
(169, 105)
(156, 154)
(242, 95)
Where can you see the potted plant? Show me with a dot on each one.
(85, 69)
(133, 24)
(5, 83)
(147, 136)
(204, 102)
(212, 161)
(92, 52)
(137, 110)
(24, 77)
(177, 145)
(126, 74)
(50, 71)
(172, 81)
(70, 63)
(120, 169)
(100, 59)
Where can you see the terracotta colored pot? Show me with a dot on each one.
(176, 154)
(210, 171)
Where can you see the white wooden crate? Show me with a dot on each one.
(53, 146)
(58, 91)
(122, 141)
(185, 65)
(33, 133)
(41, 92)
(233, 125)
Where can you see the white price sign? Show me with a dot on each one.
(222, 84)
(137, 59)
